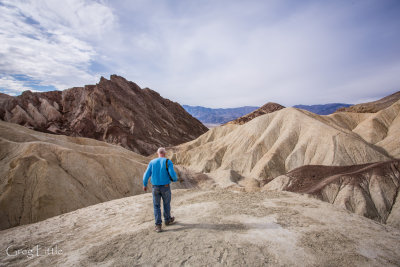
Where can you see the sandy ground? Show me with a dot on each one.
(214, 228)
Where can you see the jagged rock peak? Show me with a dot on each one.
(374, 106)
(265, 109)
(117, 111)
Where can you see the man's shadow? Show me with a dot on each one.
(221, 226)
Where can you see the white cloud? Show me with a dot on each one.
(210, 53)
(232, 53)
(12, 86)
(48, 41)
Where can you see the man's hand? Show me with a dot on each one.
(144, 188)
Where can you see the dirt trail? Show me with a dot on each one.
(217, 228)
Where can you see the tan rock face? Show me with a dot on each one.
(276, 143)
(370, 190)
(372, 107)
(43, 175)
(270, 146)
(116, 111)
(265, 109)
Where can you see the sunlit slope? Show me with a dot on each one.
(273, 144)
(43, 175)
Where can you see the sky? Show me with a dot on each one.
(212, 53)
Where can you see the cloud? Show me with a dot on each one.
(48, 40)
(210, 53)
(230, 53)
(10, 85)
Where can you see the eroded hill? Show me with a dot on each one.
(44, 175)
(371, 190)
(116, 111)
(276, 143)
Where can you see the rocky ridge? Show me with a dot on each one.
(265, 109)
(116, 111)
(372, 107)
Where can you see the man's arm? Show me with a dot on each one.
(146, 177)
(172, 171)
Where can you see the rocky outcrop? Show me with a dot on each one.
(116, 111)
(370, 190)
(265, 109)
(372, 107)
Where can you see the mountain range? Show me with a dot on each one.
(218, 116)
(324, 109)
(273, 187)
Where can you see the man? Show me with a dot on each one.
(161, 177)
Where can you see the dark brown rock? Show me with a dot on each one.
(373, 107)
(116, 111)
(369, 189)
(267, 108)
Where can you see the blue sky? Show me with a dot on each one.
(206, 52)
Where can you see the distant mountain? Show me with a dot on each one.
(217, 115)
(267, 108)
(373, 107)
(116, 111)
(324, 109)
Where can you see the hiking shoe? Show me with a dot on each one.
(158, 228)
(171, 221)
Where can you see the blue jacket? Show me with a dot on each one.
(158, 172)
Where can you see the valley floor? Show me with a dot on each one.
(215, 228)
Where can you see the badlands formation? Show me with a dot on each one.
(246, 157)
(275, 143)
(116, 111)
(230, 203)
(370, 189)
(43, 175)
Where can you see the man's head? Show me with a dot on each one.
(161, 152)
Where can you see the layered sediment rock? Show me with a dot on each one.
(372, 107)
(265, 109)
(370, 190)
(116, 111)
